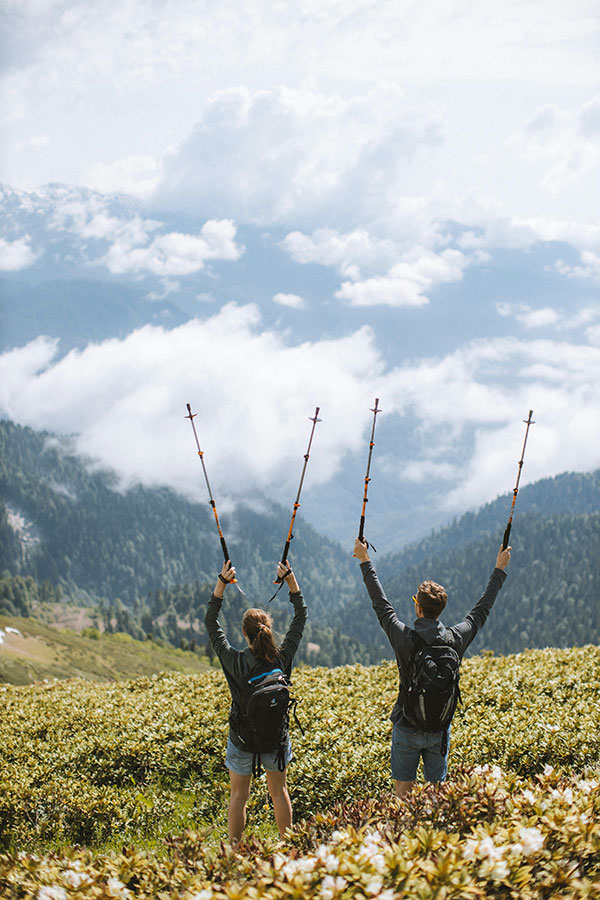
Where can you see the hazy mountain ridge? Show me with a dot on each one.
(145, 552)
(77, 312)
(150, 558)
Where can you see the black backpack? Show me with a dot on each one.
(264, 715)
(432, 691)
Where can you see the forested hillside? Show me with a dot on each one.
(149, 557)
(146, 559)
(550, 598)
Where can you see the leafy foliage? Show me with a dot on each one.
(84, 763)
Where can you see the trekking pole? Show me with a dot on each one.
(361, 529)
(191, 416)
(314, 419)
(529, 421)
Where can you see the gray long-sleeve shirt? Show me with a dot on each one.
(401, 636)
(237, 664)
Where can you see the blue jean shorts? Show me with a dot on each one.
(240, 761)
(409, 745)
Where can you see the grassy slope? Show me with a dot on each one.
(42, 652)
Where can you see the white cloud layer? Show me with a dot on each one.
(16, 255)
(273, 155)
(111, 231)
(254, 391)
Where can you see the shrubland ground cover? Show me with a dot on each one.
(141, 765)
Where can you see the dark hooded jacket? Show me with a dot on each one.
(402, 637)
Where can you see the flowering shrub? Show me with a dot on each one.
(108, 765)
(539, 837)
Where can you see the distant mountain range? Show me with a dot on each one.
(77, 312)
(147, 558)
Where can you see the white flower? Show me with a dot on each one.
(374, 886)
(332, 886)
(499, 870)
(488, 849)
(566, 794)
(74, 879)
(587, 786)
(386, 895)
(548, 769)
(52, 893)
(470, 849)
(529, 796)
(531, 839)
(330, 861)
(204, 894)
(306, 864)
(295, 866)
(117, 888)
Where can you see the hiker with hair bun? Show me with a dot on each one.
(266, 666)
(428, 657)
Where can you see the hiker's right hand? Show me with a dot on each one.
(228, 571)
(503, 558)
(360, 550)
(226, 576)
(285, 573)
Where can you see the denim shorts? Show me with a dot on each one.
(409, 745)
(240, 761)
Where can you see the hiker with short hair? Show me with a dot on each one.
(428, 657)
(264, 665)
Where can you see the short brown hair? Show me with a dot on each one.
(432, 599)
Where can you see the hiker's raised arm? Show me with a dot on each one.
(503, 558)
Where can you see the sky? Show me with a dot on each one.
(351, 199)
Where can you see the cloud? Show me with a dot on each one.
(16, 255)
(34, 143)
(138, 175)
(590, 267)
(275, 155)
(254, 391)
(176, 254)
(469, 418)
(546, 316)
(408, 282)
(111, 230)
(291, 300)
(347, 252)
(565, 141)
